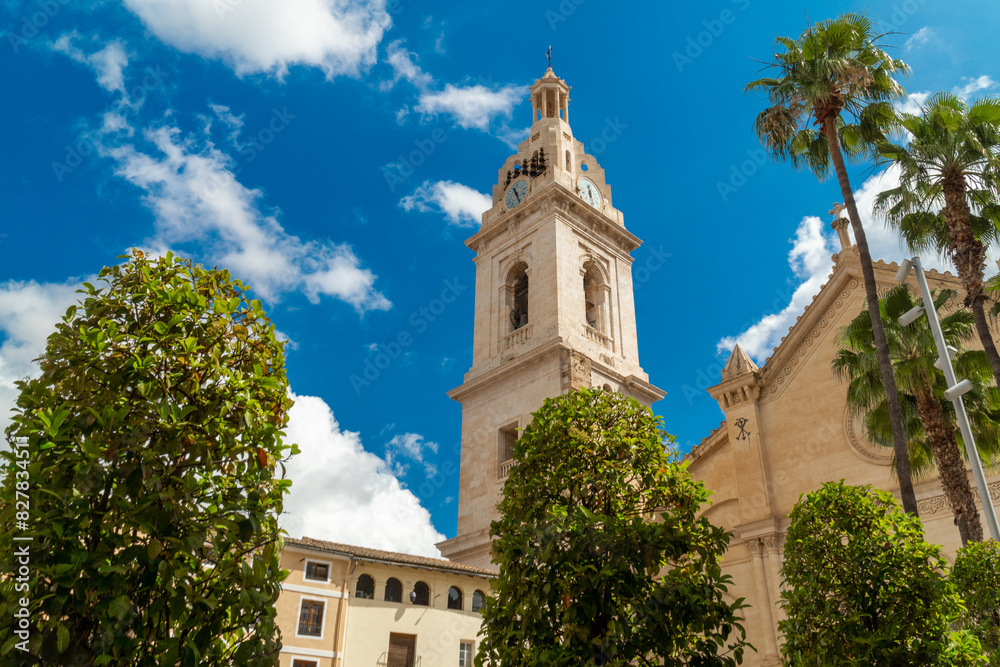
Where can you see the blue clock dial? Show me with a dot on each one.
(516, 194)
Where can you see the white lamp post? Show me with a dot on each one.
(955, 389)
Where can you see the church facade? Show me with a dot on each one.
(787, 430)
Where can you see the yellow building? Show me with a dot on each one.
(346, 606)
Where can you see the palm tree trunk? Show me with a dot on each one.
(950, 464)
(968, 255)
(906, 493)
(985, 336)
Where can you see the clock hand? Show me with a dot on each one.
(518, 195)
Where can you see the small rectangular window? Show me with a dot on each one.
(465, 650)
(317, 571)
(311, 618)
(305, 663)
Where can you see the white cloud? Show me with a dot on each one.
(190, 186)
(472, 106)
(29, 312)
(343, 493)
(810, 260)
(913, 102)
(230, 120)
(192, 190)
(462, 205)
(340, 491)
(108, 63)
(973, 85)
(409, 446)
(251, 36)
(919, 38)
(404, 67)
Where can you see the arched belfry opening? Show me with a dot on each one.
(516, 287)
(595, 297)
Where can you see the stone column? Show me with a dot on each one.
(772, 546)
(769, 649)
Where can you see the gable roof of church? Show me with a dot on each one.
(796, 345)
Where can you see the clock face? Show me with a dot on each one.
(590, 193)
(516, 194)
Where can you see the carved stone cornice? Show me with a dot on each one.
(940, 503)
(808, 330)
(742, 389)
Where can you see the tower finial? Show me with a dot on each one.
(548, 54)
(840, 224)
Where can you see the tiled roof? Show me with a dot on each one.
(388, 556)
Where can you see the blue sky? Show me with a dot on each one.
(335, 155)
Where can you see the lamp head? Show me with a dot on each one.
(909, 316)
(904, 271)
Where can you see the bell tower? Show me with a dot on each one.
(554, 307)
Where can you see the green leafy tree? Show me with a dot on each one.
(154, 444)
(863, 587)
(931, 426)
(976, 575)
(832, 94)
(949, 161)
(603, 557)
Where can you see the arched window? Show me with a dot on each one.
(366, 588)
(594, 292)
(478, 600)
(569, 162)
(454, 598)
(517, 296)
(421, 594)
(393, 591)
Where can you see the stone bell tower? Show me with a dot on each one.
(554, 306)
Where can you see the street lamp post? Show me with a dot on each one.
(955, 389)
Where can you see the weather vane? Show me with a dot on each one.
(548, 54)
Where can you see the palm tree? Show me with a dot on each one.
(950, 158)
(931, 427)
(835, 69)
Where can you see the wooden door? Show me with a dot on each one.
(402, 650)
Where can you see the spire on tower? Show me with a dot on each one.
(549, 96)
(739, 364)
